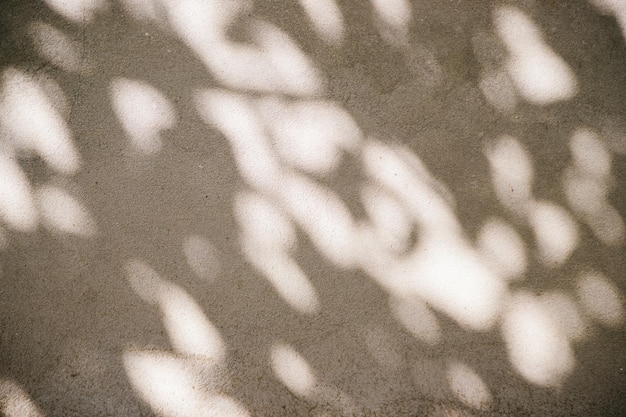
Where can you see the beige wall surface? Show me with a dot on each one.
(312, 208)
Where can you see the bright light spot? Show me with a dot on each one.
(511, 172)
(267, 237)
(143, 112)
(30, 121)
(17, 207)
(540, 75)
(590, 154)
(601, 299)
(310, 135)
(271, 62)
(62, 213)
(77, 11)
(389, 219)
(15, 401)
(143, 9)
(564, 312)
(234, 116)
(556, 233)
(323, 216)
(588, 197)
(326, 18)
(614, 7)
(57, 47)
(468, 386)
(173, 389)
(263, 222)
(537, 346)
(404, 175)
(503, 248)
(417, 318)
(451, 278)
(145, 281)
(189, 329)
(381, 346)
(202, 257)
(187, 326)
(292, 370)
(394, 16)
(499, 91)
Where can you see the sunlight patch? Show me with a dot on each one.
(556, 232)
(17, 206)
(78, 11)
(15, 401)
(292, 370)
(189, 330)
(172, 389)
(511, 172)
(601, 299)
(468, 386)
(267, 238)
(326, 18)
(32, 124)
(202, 257)
(310, 135)
(538, 349)
(417, 318)
(394, 18)
(58, 48)
(143, 111)
(503, 248)
(540, 75)
(62, 213)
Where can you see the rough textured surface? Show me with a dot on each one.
(315, 208)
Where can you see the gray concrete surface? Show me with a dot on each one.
(312, 208)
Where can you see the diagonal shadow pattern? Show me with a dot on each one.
(243, 208)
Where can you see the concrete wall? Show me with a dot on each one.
(316, 208)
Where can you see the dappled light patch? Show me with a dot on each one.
(587, 182)
(503, 249)
(267, 238)
(202, 257)
(16, 402)
(326, 18)
(417, 318)
(537, 346)
(189, 330)
(62, 213)
(292, 369)
(143, 111)
(566, 313)
(389, 219)
(78, 11)
(393, 18)
(58, 48)
(468, 386)
(615, 7)
(511, 172)
(32, 124)
(310, 135)
(234, 116)
(150, 10)
(272, 62)
(556, 232)
(541, 76)
(601, 299)
(498, 89)
(172, 387)
(17, 205)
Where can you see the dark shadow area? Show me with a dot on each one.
(275, 208)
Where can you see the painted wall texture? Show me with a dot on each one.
(312, 208)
